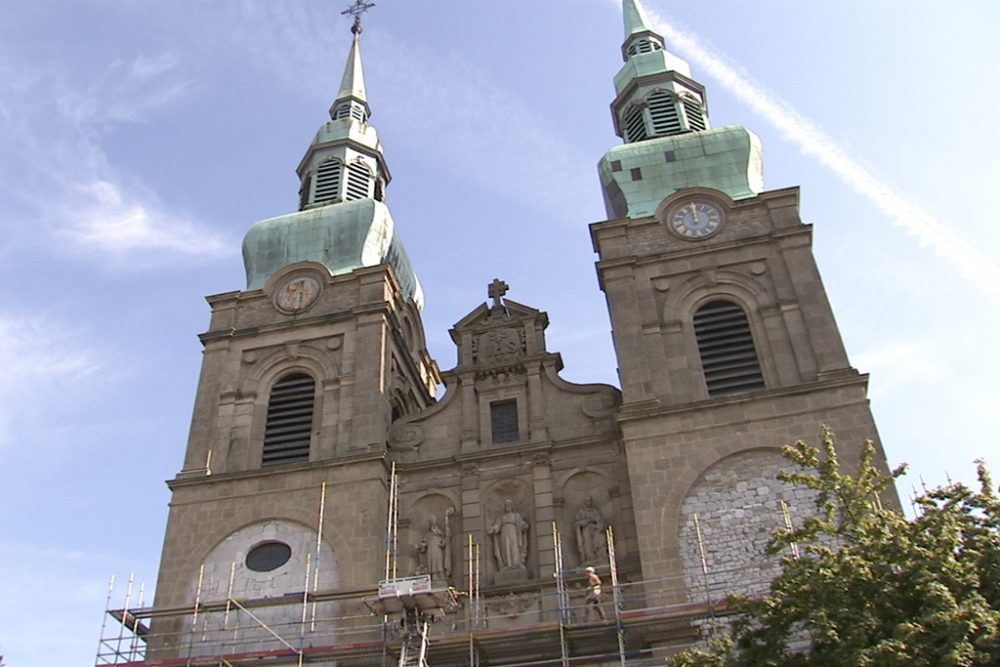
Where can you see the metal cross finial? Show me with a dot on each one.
(497, 289)
(356, 10)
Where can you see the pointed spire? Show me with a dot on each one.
(352, 84)
(635, 18)
(639, 34)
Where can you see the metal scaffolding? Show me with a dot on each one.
(392, 624)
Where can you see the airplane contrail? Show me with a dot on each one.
(930, 230)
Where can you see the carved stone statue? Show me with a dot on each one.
(434, 550)
(590, 540)
(510, 539)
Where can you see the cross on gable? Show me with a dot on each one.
(497, 289)
(356, 10)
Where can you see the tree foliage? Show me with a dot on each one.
(871, 587)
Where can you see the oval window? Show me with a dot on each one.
(268, 556)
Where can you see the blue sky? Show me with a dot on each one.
(138, 142)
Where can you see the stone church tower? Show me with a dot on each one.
(321, 460)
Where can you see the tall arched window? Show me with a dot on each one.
(728, 355)
(289, 420)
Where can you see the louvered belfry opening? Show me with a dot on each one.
(289, 420)
(328, 182)
(663, 112)
(728, 355)
(358, 181)
(694, 112)
(635, 125)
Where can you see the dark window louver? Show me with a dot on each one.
(289, 420)
(328, 182)
(635, 125)
(503, 421)
(358, 181)
(663, 112)
(343, 111)
(728, 355)
(695, 113)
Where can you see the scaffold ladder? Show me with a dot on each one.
(416, 637)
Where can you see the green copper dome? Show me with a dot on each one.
(662, 114)
(342, 237)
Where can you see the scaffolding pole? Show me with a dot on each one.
(793, 546)
(392, 516)
(472, 611)
(319, 549)
(704, 575)
(562, 598)
(613, 566)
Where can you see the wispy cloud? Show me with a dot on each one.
(61, 171)
(102, 218)
(905, 211)
(39, 357)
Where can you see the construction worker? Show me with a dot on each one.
(594, 594)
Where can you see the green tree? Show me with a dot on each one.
(871, 587)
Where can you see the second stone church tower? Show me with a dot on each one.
(322, 458)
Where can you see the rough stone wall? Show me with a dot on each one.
(737, 503)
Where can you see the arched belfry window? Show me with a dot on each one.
(728, 355)
(289, 420)
(359, 181)
(328, 182)
(635, 125)
(663, 113)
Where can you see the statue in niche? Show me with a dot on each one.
(591, 543)
(510, 539)
(434, 550)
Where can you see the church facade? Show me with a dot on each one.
(322, 460)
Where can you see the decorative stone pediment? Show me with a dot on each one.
(500, 334)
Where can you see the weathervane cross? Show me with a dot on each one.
(356, 10)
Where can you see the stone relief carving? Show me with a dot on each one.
(509, 533)
(498, 346)
(600, 404)
(403, 436)
(589, 526)
(514, 376)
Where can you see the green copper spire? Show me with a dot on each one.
(662, 114)
(635, 18)
(352, 84)
(342, 222)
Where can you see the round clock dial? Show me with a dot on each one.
(695, 220)
(297, 294)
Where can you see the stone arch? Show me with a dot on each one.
(678, 309)
(438, 505)
(522, 500)
(224, 572)
(584, 542)
(737, 500)
(300, 357)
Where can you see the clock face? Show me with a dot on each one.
(297, 294)
(695, 220)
